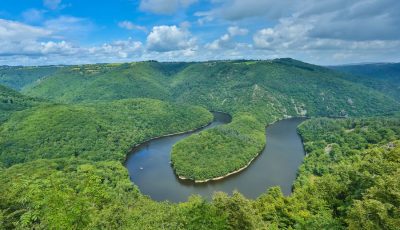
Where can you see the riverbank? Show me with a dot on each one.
(150, 167)
(242, 168)
(222, 177)
(135, 147)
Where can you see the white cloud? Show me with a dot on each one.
(239, 9)
(286, 34)
(52, 4)
(236, 31)
(11, 30)
(61, 47)
(130, 26)
(263, 38)
(22, 39)
(36, 48)
(120, 49)
(164, 6)
(18, 38)
(225, 41)
(33, 15)
(219, 43)
(318, 31)
(336, 32)
(62, 52)
(338, 19)
(204, 17)
(291, 37)
(185, 25)
(24, 44)
(359, 22)
(68, 27)
(169, 38)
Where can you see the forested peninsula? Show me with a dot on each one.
(65, 132)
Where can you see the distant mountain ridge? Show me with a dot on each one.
(61, 161)
(12, 101)
(384, 77)
(284, 86)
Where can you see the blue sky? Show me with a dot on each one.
(42, 32)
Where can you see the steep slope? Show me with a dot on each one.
(102, 82)
(258, 93)
(255, 93)
(268, 88)
(352, 184)
(12, 101)
(18, 77)
(349, 178)
(101, 131)
(383, 77)
(284, 86)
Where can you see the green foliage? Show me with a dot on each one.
(199, 214)
(12, 101)
(219, 151)
(101, 131)
(271, 89)
(350, 173)
(80, 194)
(267, 91)
(349, 178)
(102, 82)
(238, 210)
(65, 194)
(19, 77)
(258, 92)
(379, 207)
(383, 77)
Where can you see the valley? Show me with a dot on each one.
(276, 165)
(66, 133)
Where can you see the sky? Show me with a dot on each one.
(328, 32)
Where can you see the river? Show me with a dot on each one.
(149, 165)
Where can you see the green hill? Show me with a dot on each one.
(101, 131)
(266, 91)
(270, 88)
(383, 77)
(18, 77)
(12, 101)
(281, 86)
(255, 93)
(61, 163)
(352, 184)
(102, 82)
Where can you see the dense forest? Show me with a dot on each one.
(20, 76)
(345, 181)
(65, 135)
(236, 145)
(100, 131)
(12, 101)
(259, 91)
(384, 77)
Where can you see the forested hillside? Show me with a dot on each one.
(278, 87)
(348, 180)
(351, 168)
(281, 86)
(12, 101)
(384, 77)
(259, 91)
(102, 82)
(219, 151)
(101, 131)
(63, 144)
(19, 77)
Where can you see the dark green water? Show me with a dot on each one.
(149, 166)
